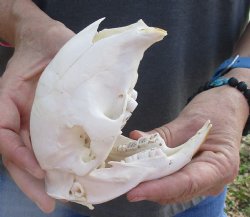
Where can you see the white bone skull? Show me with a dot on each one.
(83, 99)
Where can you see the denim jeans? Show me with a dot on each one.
(13, 203)
(210, 207)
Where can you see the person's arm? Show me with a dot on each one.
(7, 21)
(217, 162)
(19, 17)
(36, 38)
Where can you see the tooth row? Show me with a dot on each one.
(127, 115)
(131, 104)
(127, 147)
(141, 143)
(147, 154)
(133, 94)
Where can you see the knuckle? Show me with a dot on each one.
(165, 133)
(215, 192)
(231, 168)
(232, 173)
(191, 187)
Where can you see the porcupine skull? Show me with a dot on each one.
(83, 99)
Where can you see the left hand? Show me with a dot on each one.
(33, 51)
(217, 161)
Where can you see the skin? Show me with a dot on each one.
(36, 39)
(217, 162)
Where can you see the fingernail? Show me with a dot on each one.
(37, 173)
(137, 199)
(142, 133)
(40, 206)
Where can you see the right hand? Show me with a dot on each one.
(34, 49)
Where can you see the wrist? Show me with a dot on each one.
(242, 74)
(222, 104)
(27, 17)
(234, 100)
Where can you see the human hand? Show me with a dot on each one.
(217, 161)
(34, 49)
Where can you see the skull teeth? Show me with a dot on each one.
(131, 105)
(127, 147)
(127, 115)
(142, 143)
(134, 94)
(147, 154)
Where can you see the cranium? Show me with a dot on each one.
(83, 99)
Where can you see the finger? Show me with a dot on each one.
(32, 188)
(13, 149)
(26, 138)
(160, 190)
(187, 183)
(214, 190)
(136, 134)
(174, 133)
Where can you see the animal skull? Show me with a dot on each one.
(84, 98)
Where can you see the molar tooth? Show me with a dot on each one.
(131, 105)
(134, 94)
(124, 147)
(123, 125)
(154, 137)
(127, 115)
(132, 145)
(120, 148)
(127, 147)
(143, 141)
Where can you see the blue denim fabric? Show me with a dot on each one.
(210, 207)
(13, 203)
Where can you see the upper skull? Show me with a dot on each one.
(86, 94)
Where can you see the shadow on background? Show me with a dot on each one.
(5, 55)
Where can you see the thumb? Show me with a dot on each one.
(175, 132)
